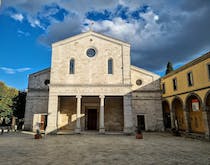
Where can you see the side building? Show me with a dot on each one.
(186, 97)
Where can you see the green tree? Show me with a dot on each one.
(169, 68)
(6, 102)
(19, 103)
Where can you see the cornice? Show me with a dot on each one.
(191, 63)
(90, 85)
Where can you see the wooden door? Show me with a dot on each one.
(92, 119)
(197, 122)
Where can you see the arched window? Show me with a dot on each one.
(72, 66)
(110, 66)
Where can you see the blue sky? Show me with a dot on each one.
(158, 31)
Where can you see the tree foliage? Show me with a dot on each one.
(19, 103)
(169, 68)
(6, 100)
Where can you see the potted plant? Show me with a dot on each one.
(175, 132)
(38, 134)
(139, 134)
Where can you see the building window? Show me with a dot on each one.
(163, 88)
(72, 66)
(208, 70)
(175, 84)
(139, 82)
(110, 66)
(190, 79)
(91, 52)
(47, 82)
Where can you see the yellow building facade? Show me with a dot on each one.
(186, 97)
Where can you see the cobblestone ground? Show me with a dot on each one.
(155, 148)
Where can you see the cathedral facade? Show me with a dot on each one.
(91, 85)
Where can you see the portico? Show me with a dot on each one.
(96, 113)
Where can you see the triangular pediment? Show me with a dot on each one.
(87, 34)
(145, 72)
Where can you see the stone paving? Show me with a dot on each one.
(155, 148)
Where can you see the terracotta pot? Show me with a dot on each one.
(139, 136)
(37, 136)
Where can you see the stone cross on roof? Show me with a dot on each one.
(91, 26)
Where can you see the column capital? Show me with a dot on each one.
(101, 96)
(78, 96)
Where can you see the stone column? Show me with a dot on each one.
(187, 119)
(172, 115)
(58, 113)
(78, 128)
(101, 126)
(206, 117)
(52, 114)
(128, 119)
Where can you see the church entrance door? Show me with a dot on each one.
(92, 119)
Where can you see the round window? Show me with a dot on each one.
(138, 82)
(91, 52)
(46, 82)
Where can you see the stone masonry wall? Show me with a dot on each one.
(90, 70)
(37, 97)
(148, 103)
(36, 103)
(113, 114)
(67, 113)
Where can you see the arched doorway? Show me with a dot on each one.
(196, 122)
(166, 115)
(177, 106)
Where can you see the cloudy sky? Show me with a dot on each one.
(158, 31)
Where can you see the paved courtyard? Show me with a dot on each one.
(155, 148)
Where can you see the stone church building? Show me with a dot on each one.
(91, 85)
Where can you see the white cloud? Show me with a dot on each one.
(139, 33)
(17, 17)
(8, 70)
(156, 17)
(165, 31)
(13, 71)
(117, 28)
(35, 22)
(23, 69)
(22, 33)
